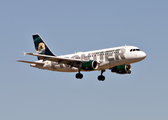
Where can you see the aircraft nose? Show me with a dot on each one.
(142, 55)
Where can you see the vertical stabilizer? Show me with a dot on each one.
(40, 46)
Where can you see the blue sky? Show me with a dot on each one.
(72, 26)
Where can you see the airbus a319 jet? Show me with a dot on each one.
(117, 59)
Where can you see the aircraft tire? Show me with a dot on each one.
(79, 76)
(101, 78)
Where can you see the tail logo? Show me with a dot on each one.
(41, 48)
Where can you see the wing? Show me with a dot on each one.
(38, 63)
(69, 61)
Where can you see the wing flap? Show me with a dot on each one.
(73, 62)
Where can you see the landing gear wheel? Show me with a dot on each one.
(79, 76)
(101, 78)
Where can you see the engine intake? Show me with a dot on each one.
(89, 65)
(122, 69)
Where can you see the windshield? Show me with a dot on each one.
(134, 50)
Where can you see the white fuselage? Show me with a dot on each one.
(106, 58)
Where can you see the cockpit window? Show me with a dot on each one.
(135, 50)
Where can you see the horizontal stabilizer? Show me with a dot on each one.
(37, 63)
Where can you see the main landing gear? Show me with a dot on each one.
(101, 77)
(79, 75)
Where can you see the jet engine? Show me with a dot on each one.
(89, 65)
(122, 69)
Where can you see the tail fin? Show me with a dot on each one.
(40, 46)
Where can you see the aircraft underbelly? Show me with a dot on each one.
(66, 68)
(110, 64)
(59, 68)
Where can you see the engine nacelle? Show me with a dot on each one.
(122, 69)
(89, 65)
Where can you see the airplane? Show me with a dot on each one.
(117, 59)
